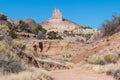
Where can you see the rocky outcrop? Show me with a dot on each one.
(106, 45)
(57, 14)
(49, 47)
(4, 20)
(58, 23)
(23, 35)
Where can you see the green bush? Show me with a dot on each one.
(97, 60)
(102, 60)
(39, 28)
(53, 35)
(12, 34)
(10, 26)
(88, 36)
(22, 26)
(109, 58)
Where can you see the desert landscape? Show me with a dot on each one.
(58, 49)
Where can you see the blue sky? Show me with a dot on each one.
(85, 12)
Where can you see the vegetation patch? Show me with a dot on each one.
(53, 35)
(111, 27)
(102, 60)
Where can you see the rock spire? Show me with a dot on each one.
(57, 14)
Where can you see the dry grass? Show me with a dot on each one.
(102, 68)
(18, 42)
(6, 51)
(26, 75)
(10, 63)
(103, 59)
(102, 63)
(51, 64)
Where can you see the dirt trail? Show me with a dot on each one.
(78, 74)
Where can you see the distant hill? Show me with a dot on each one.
(29, 21)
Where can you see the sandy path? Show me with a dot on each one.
(78, 74)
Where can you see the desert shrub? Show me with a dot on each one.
(88, 36)
(22, 26)
(12, 34)
(11, 26)
(111, 27)
(114, 73)
(43, 30)
(117, 74)
(109, 72)
(109, 58)
(39, 28)
(69, 33)
(18, 47)
(3, 17)
(102, 60)
(9, 62)
(10, 66)
(53, 35)
(97, 60)
(35, 31)
(41, 35)
(3, 33)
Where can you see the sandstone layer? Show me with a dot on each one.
(49, 47)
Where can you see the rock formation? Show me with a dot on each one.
(58, 23)
(50, 47)
(57, 14)
(3, 19)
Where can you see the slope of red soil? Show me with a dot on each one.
(93, 48)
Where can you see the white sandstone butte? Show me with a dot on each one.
(57, 14)
(58, 23)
